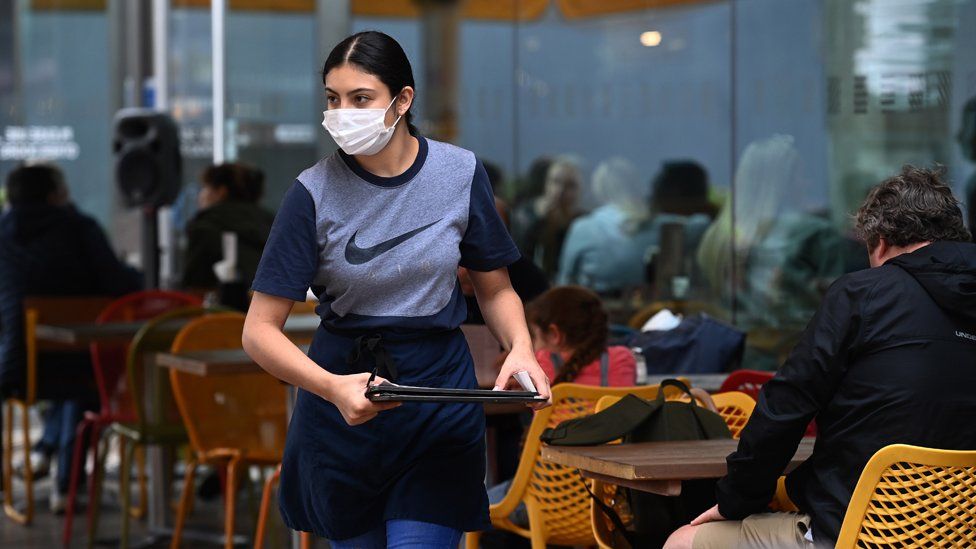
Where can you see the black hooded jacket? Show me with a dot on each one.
(890, 357)
(205, 241)
(50, 250)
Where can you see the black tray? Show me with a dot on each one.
(390, 392)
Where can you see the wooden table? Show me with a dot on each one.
(298, 326)
(484, 350)
(656, 467)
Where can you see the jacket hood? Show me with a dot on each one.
(947, 271)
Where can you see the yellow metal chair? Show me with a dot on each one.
(735, 408)
(232, 420)
(555, 497)
(910, 496)
(60, 309)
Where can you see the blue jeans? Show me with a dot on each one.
(59, 437)
(403, 534)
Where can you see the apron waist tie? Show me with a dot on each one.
(371, 347)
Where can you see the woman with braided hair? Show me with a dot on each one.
(570, 329)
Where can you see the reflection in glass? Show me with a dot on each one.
(782, 259)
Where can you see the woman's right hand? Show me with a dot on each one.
(348, 393)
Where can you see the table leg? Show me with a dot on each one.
(160, 460)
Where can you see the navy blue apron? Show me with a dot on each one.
(420, 461)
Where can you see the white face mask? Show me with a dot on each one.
(359, 131)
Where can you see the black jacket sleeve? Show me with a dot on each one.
(803, 386)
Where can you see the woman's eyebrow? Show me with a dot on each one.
(355, 91)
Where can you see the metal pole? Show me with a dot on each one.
(332, 24)
(160, 26)
(218, 10)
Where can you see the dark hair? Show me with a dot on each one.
(378, 54)
(33, 184)
(912, 207)
(580, 316)
(681, 187)
(243, 183)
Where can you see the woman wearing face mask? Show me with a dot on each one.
(378, 230)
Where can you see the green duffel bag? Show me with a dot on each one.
(637, 420)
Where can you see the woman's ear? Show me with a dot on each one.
(555, 337)
(404, 101)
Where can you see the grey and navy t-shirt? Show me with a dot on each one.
(383, 252)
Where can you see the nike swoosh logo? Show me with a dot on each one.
(357, 256)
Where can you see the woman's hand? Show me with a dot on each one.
(348, 393)
(524, 361)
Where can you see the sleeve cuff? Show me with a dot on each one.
(734, 506)
(277, 291)
(490, 264)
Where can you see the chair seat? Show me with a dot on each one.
(155, 434)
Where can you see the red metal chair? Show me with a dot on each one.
(749, 382)
(746, 381)
(109, 365)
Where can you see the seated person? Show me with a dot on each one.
(887, 359)
(605, 249)
(228, 202)
(570, 329)
(49, 248)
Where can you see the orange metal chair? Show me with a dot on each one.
(909, 496)
(556, 499)
(59, 309)
(306, 537)
(232, 420)
(162, 428)
(109, 366)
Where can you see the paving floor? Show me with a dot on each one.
(207, 516)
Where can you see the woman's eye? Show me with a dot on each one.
(332, 100)
(362, 99)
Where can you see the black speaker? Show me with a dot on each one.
(148, 166)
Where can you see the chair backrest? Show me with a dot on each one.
(910, 496)
(735, 407)
(231, 412)
(746, 381)
(155, 337)
(109, 359)
(750, 382)
(53, 310)
(555, 491)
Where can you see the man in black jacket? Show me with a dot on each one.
(49, 248)
(890, 357)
